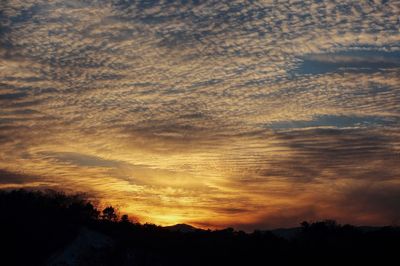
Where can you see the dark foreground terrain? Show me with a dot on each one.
(51, 228)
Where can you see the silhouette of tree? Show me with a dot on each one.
(109, 214)
(91, 211)
(305, 225)
(38, 224)
(125, 218)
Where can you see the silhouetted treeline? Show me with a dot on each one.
(37, 227)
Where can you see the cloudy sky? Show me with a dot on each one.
(252, 114)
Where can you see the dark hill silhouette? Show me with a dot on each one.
(184, 228)
(51, 228)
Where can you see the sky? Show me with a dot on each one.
(250, 114)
